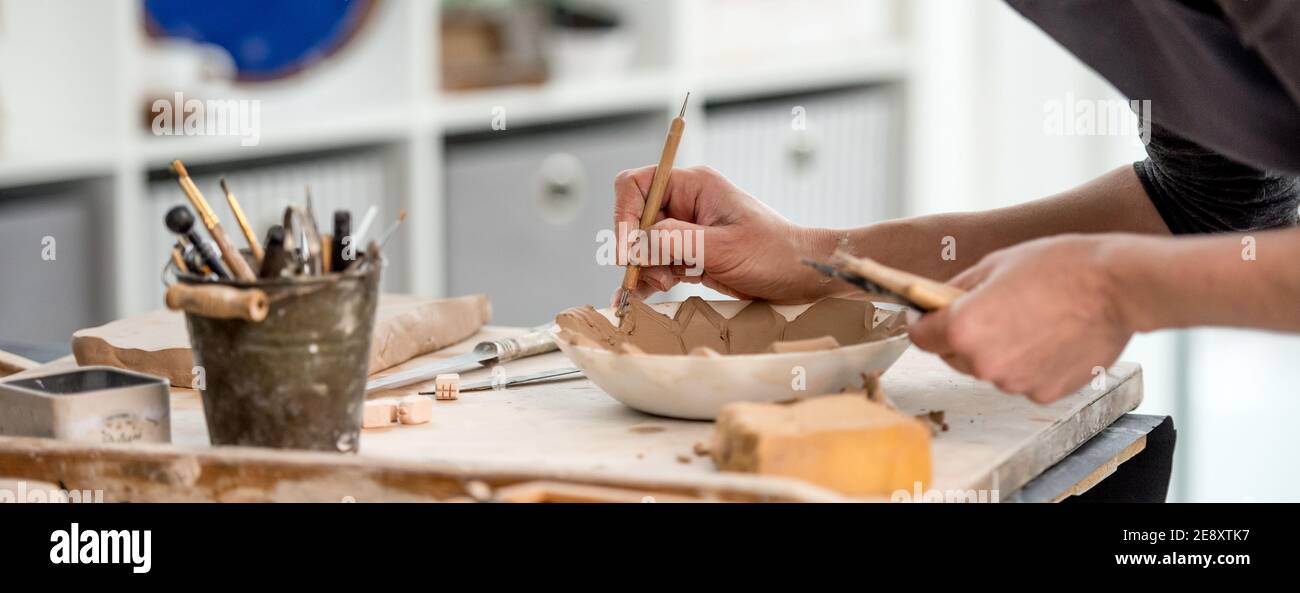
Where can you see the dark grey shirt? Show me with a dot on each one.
(1223, 79)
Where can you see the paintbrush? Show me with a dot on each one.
(654, 200)
(918, 292)
(239, 267)
(249, 235)
(372, 251)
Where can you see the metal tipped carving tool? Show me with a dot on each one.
(918, 292)
(537, 341)
(654, 201)
(564, 374)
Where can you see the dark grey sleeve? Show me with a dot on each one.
(1199, 191)
(1269, 27)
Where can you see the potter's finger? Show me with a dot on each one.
(930, 333)
(710, 282)
(960, 363)
(659, 277)
(676, 242)
(685, 186)
(972, 276)
(630, 190)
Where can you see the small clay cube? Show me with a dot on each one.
(447, 387)
(379, 413)
(415, 409)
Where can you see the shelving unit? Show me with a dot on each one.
(380, 92)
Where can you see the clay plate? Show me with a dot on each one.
(697, 387)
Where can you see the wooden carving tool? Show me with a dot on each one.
(654, 201)
(180, 220)
(218, 302)
(178, 258)
(922, 293)
(249, 235)
(234, 260)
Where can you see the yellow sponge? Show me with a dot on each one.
(844, 442)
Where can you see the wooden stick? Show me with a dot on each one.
(179, 259)
(234, 260)
(247, 229)
(11, 363)
(928, 294)
(654, 201)
(218, 302)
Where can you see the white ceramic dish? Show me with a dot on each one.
(696, 387)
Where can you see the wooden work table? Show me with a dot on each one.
(569, 440)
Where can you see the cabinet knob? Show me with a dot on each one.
(801, 151)
(560, 188)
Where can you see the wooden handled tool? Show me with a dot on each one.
(218, 302)
(246, 228)
(654, 201)
(234, 260)
(12, 363)
(923, 293)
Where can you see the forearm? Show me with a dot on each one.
(1209, 280)
(941, 246)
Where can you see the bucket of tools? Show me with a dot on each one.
(280, 335)
(296, 379)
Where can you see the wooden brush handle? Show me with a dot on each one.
(11, 363)
(658, 187)
(218, 302)
(928, 294)
(231, 255)
(234, 260)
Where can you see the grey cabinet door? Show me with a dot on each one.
(826, 159)
(524, 209)
(50, 262)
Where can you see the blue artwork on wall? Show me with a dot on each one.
(268, 39)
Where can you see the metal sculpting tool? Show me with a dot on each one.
(922, 294)
(563, 374)
(654, 201)
(536, 341)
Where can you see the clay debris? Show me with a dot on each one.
(698, 327)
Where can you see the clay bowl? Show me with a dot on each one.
(697, 387)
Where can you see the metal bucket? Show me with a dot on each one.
(296, 380)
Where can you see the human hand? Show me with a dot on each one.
(1038, 317)
(749, 250)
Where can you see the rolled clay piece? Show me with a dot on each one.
(447, 387)
(627, 348)
(415, 409)
(809, 345)
(844, 442)
(379, 413)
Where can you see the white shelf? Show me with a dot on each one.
(388, 124)
(77, 162)
(790, 72)
(473, 111)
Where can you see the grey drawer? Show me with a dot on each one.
(840, 171)
(524, 208)
(43, 301)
